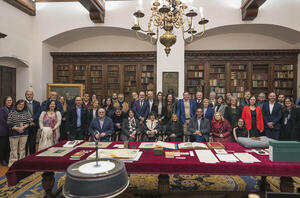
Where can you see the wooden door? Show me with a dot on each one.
(7, 83)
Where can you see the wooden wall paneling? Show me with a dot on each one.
(271, 77)
(249, 77)
(227, 77)
(121, 78)
(105, 79)
(206, 80)
(295, 87)
(138, 78)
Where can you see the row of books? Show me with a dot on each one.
(113, 74)
(96, 86)
(261, 83)
(96, 73)
(63, 73)
(113, 86)
(238, 89)
(238, 67)
(80, 67)
(194, 82)
(130, 78)
(129, 89)
(286, 84)
(130, 83)
(218, 89)
(193, 89)
(147, 80)
(260, 76)
(147, 67)
(285, 92)
(147, 74)
(217, 76)
(284, 67)
(285, 74)
(238, 75)
(96, 80)
(195, 74)
(112, 68)
(62, 79)
(94, 67)
(63, 68)
(129, 68)
(193, 67)
(113, 80)
(79, 73)
(220, 83)
(238, 95)
(217, 70)
(238, 83)
(79, 77)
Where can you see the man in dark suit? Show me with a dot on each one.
(150, 99)
(34, 109)
(272, 114)
(199, 127)
(77, 121)
(52, 96)
(199, 99)
(101, 127)
(141, 107)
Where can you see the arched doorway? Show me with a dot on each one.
(7, 82)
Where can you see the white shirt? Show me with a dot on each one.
(151, 103)
(271, 106)
(94, 113)
(204, 111)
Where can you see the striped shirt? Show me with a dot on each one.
(18, 118)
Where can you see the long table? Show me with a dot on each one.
(154, 164)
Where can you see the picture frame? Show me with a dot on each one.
(69, 91)
(170, 83)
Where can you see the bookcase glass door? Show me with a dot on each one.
(238, 80)
(147, 77)
(260, 76)
(217, 79)
(130, 80)
(96, 80)
(80, 75)
(63, 73)
(113, 79)
(195, 79)
(283, 79)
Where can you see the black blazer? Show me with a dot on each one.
(296, 127)
(176, 128)
(275, 117)
(228, 114)
(36, 107)
(125, 133)
(72, 119)
(90, 115)
(58, 105)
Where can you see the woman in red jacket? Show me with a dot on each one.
(253, 118)
(221, 129)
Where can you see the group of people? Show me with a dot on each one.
(145, 117)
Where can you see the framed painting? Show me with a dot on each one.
(69, 91)
(170, 83)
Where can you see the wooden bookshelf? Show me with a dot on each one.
(236, 71)
(217, 76)
(80, 75)
(283, 79)
(62, 73)
(130, 80)
(96, 80)
(194, 79)
(148, 77)
(238, 80)
(113, 79)
(260, 78)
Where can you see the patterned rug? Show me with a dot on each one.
(31, 187)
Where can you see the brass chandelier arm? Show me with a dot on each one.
(202, 33)
(141, 38)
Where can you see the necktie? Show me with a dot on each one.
(141, 104)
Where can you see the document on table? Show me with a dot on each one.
(220, 151)
(246, 157)
(227, 157)
(206, 156)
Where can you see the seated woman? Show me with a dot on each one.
(150, 129)
(49, 119)
(242, 136)
(208, 111)
(174, 130)
(221, 129)
(130, 128)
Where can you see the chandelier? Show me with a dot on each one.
(167, 16)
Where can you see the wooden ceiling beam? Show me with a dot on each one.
(96, 9)
(250, 8)
(2, 35)
(27, 6)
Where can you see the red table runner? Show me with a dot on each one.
(149, 163)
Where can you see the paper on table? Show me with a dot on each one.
(138, 156)
(227, 157)
(166, 145)
(206, 156)
(246, 157)
(120, 146)
(147, 145)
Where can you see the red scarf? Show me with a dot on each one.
(218, 125)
